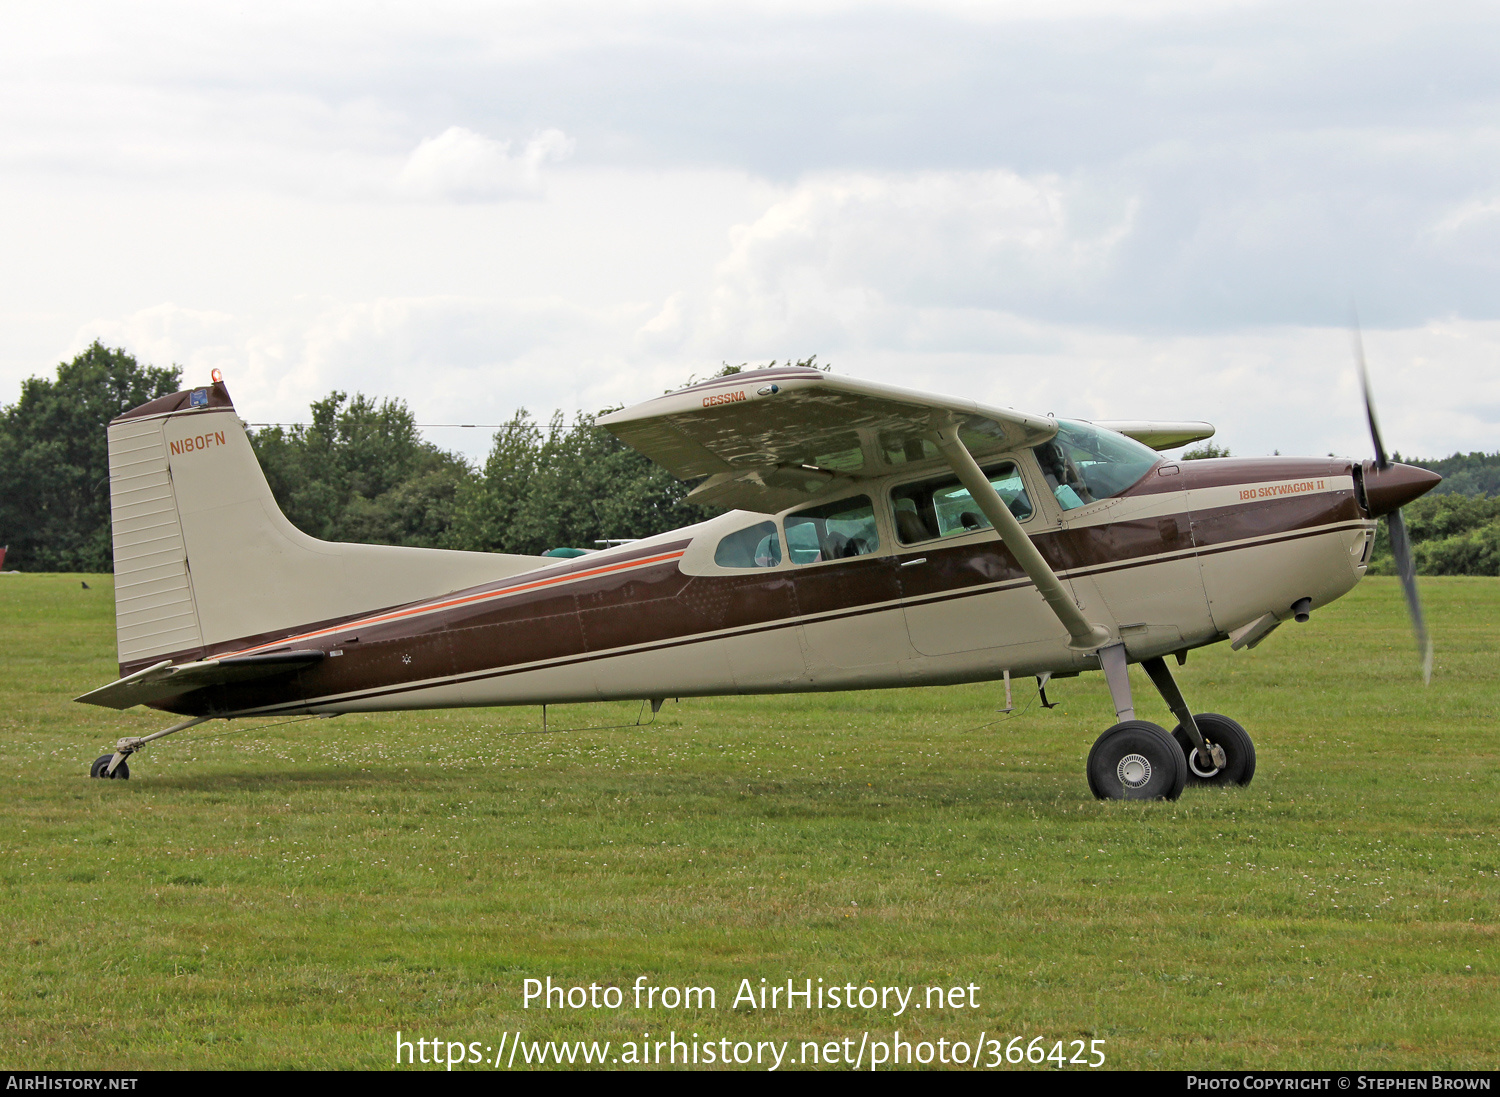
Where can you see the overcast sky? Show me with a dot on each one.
(1118, 211)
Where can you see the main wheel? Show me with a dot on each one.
(1239, 751)
(1136, 760)
(100, 768)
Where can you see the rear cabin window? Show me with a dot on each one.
(755, 547)
(942, 507)
(834, 531)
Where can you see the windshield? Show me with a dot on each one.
(1084, 463)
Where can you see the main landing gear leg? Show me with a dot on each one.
(1135, 759)
(1166, 685)
(113, 765)
(1218, 751)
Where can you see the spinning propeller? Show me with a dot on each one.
(1388, 487)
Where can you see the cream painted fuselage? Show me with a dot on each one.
(1190, 555)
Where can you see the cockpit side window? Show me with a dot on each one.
(834, 531)
(758, 546)
(942, 506)
(1084, 463)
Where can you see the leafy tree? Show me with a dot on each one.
(488, 507)
(1464, 473)
(1450, 534)
(362, 472)
(1476, 552)
(574, 485)
(54, 512)
(1205, 451)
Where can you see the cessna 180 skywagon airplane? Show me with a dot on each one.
(883, 538)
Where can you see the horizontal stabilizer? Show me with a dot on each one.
(159, 682)
(1159, 434)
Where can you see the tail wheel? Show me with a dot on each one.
(1136, 760)
(1239, 751)
(100, 768)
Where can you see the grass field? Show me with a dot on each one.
(294, 896)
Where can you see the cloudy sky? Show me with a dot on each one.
(1154, 209)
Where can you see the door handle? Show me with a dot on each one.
(914, 563)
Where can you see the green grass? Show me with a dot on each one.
(292, 897)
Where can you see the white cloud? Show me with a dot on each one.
(198, 340)
(453, 359)
(458, 360)
(1108, 210)
(852, 259)
(946, 281)
(463, 166)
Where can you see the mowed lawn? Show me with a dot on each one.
(291, 897)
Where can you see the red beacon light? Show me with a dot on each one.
(216, 376)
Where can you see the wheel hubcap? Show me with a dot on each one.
(1134, 770)
(1195, 764)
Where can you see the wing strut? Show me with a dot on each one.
(1086, 636)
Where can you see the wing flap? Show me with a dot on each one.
(163, 680)
(768, 489)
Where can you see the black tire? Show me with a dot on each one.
(100, 768)
(1136, 760)
(1239, 751)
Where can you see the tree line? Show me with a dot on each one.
(360, 470)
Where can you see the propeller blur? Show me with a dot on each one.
(1388, 488)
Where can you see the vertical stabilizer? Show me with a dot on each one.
(205, 558)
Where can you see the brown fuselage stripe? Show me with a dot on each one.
(280, 638)
(861, 611)
(451, 603)
(639, 601)
(1068, 551)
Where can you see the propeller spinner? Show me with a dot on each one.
(1387, 488)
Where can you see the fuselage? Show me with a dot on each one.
(1184, 556)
